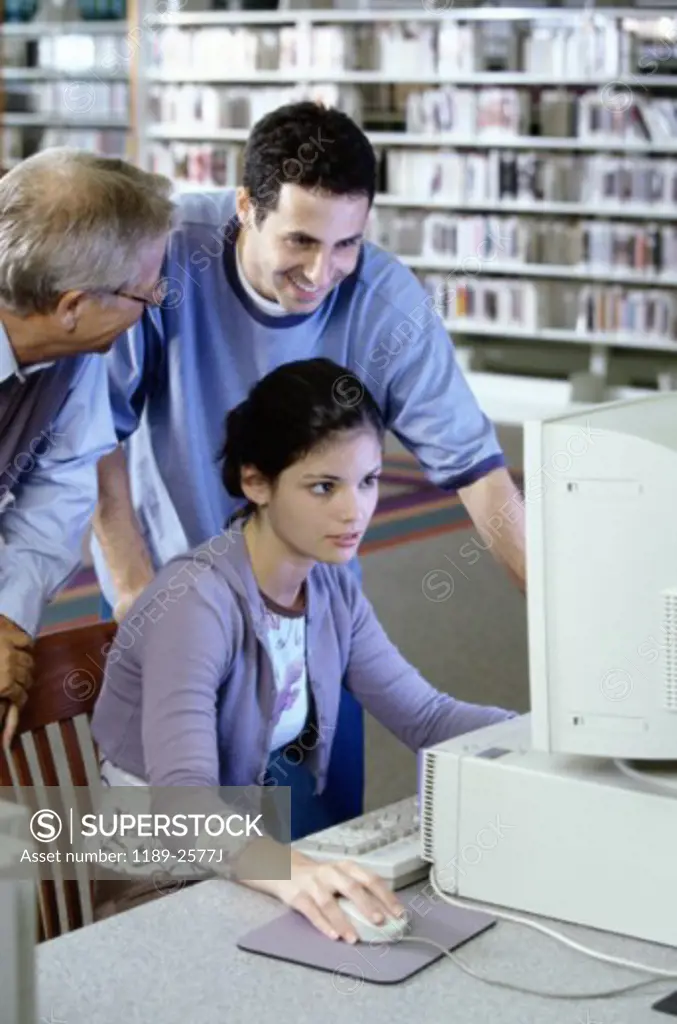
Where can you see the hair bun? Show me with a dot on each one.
(233, 451)
(235, 420)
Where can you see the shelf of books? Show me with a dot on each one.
(527, 161)
(63, 83)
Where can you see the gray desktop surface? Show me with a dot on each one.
(175, 960)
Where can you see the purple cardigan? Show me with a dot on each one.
(189, 691)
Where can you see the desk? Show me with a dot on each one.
(174, 961)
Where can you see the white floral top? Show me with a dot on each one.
(287, 642)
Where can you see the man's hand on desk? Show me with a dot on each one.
(314, 888)
(16, 674)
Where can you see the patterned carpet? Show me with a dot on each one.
(409, 508)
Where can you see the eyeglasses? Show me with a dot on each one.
(159, 294)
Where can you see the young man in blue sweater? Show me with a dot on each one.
(274, 271)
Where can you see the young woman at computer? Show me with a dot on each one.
(238, 649)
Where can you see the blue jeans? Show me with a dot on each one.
(343, 796)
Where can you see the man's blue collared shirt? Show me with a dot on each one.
(48, 474)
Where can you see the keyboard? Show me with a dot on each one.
(385, 841)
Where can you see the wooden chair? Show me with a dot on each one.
(53, 747)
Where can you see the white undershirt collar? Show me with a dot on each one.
(268, 306)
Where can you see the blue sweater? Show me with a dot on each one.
(178, 372)
(189, 690)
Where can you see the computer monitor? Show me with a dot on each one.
(601, 534)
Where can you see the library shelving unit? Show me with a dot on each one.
(528, 168)
(65, 82)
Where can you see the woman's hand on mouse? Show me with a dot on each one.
(314, 888)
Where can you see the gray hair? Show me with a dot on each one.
(73, 220)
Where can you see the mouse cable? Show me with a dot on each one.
(617, 961)
(521, 988)
(657, 973)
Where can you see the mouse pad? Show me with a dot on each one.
(293, 938)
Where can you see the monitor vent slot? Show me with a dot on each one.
(670, 647)
(429, 761)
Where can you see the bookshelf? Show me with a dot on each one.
(550, 131)
(64, 82)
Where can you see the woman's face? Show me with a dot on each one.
(321, 506)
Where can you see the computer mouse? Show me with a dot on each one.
(390, 930)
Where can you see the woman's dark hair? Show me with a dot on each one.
(311, 146)
(291, 411)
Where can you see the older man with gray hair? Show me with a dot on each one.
(82, 239)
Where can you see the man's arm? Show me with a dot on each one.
(43, 530)
(432, 410)
(132, 364)
(118, 533)
(496, 507)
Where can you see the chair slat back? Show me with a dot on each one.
(53, 748)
